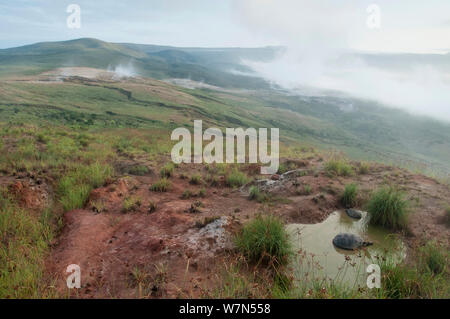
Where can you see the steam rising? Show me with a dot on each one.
(123, 70)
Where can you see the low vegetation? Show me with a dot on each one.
(167, 170)
(338, 167)
(388, 208)
(236, 178)
(163, 185)
(257, 195)
(264, 239)
(131, 203)
(349, 196)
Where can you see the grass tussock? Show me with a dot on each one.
(236, 178)
(264, 239)
(167, 170)
(195, 180)
(131, 203)
(338, 167)
(163, 185)
(74, 188)
(24, 245)
(350, 195)
(256, 194)
(425, 279)
(388, 208)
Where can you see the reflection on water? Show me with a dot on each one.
(317, 257)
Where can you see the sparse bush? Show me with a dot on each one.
(167, 170)
(151, 207)
(338, 167)
(195, 180)
(202, 192)
(212, 180)
(264, 239)
(387, 208)
(434, 257)
(307, 189)
(256, 194)
(364, 168)
(163, 185)
(349, 196)
(138, 170)
(131, 203)
(206, 221)
(236, 179)
(186, 194)
(75, 187)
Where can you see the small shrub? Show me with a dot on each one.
(236, 179)
(163, 185)
(387, 208)
(434, 257)
(338, 167)
(186, 194)
(151, 207)
(202, 192)
(307, 189)
(131, 203)
(364, 168)
(264, 239)
(349, 196)
(167, 170)
(138, 170)
(256, 194)
(195, 180)
(206, 221)
(212, 180)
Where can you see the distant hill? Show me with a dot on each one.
(160, 62)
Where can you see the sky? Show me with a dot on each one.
(406, 25)
(315, 33)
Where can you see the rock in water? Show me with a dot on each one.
(349, 241)
(353, 213)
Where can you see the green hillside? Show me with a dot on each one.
(362, 129)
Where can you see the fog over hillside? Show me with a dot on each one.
(324, 44)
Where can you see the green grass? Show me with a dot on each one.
(264, 239)
(388, 208)
(167, 170)
(419, 280)
(236, 178)
(338, 167)
(138, 170)
(131, 203)
(75, 187)
(257, 195)
(195, 180)
(163, 185)
(434, 257)
(349, 196)
(364, 168)
(23, 248)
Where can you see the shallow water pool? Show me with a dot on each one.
(317, 258)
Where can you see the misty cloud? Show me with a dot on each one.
(321, 39)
